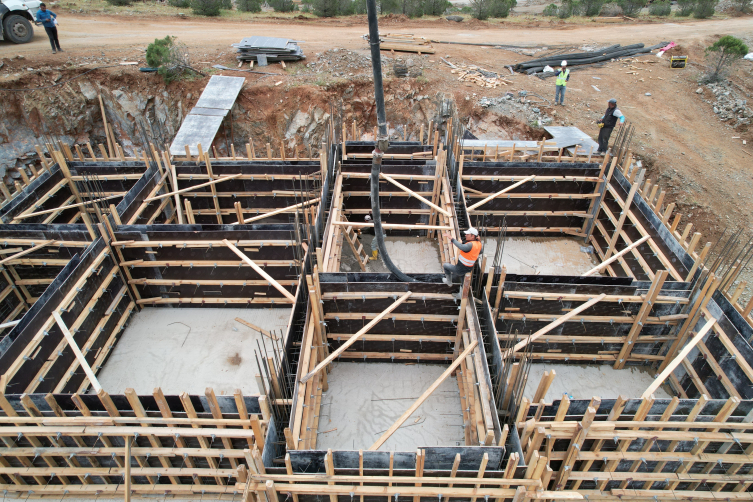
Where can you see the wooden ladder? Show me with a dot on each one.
(355, 245)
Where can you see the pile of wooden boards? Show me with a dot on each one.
(402, 42)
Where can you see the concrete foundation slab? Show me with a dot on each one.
(543, 255)
(190, 349)
(413, 255)
(365, 399)
(580, 381)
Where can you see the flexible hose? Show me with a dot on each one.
(382, 141)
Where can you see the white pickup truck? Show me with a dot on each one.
(16, 18)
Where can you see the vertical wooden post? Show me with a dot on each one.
(127, 440)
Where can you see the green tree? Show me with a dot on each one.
(158, 52)
(722, 54)
(181, 4)
(120, 3)
(685, 7)
(206, 7)
(660, 8)
(631, 8)
(705, 8)
(282, 5)
(481, 9)
(592, 8)
(502, 8)
(742, 5)
(248, 5)
(550, 10)
(436, 7)
(569, 8)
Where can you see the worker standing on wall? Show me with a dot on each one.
(607, 123)
(562, 78)
(366, 235)
(469, 253)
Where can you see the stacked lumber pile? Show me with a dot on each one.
(402, 42)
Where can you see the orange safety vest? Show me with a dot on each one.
(469, 258)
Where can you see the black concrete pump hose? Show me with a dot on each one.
(382, 141)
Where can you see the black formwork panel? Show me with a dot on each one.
(550, 171)
(391, 198)
(419, 306)
(597, 330)
(183, 257)
(258, 178)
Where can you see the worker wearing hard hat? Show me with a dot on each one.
(607, 123)
(562, 77)
(467, 257)
(366, 235)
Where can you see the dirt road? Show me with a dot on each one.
(91, 32)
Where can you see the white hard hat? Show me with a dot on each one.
(471, 231)
(563, 63)
(367, 217)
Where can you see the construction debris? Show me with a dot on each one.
(477, 75)
(274, 49)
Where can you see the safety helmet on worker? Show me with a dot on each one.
(563, 63)
(613, 101)
(471, 231)
(367, 217)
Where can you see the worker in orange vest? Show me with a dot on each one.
(467, 258)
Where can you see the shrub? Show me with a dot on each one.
(722, 55)
(282, 5)
(704, 8)
(158, 52)
(120, 3)
(592, 7)
(181, 4)
(206, 7)
(248, 5)
(331, 8)
(685, 7)
(436, 7)
(631, 8)
(480, 9)
(226, 4)
(660, 8)
(502, 8)
(550, 10)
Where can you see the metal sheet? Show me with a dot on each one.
(221, 92)
(261, 59)
(195, 129)
(264, 43)
(571, 136)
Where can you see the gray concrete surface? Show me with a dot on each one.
(190, 349)
(414, 255)
(365, 399)
(543, 255)
(580, 381)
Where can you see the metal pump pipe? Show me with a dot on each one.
(382, 140)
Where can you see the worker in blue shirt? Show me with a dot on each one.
(562, 77)
(611, 118)
(49, 21)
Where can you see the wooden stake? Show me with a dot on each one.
(514, 185)
(617, 256)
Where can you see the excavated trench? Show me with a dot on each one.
(144, 110)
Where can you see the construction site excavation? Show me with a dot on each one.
(270, 319)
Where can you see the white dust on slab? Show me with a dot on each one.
(190, 349)
(543, 255)
(365, 399)
(586, 381)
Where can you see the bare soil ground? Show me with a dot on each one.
(697, 158)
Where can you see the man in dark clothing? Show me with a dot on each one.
(468, 255)
(368, 239)
(607, 123)
(49, 21)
